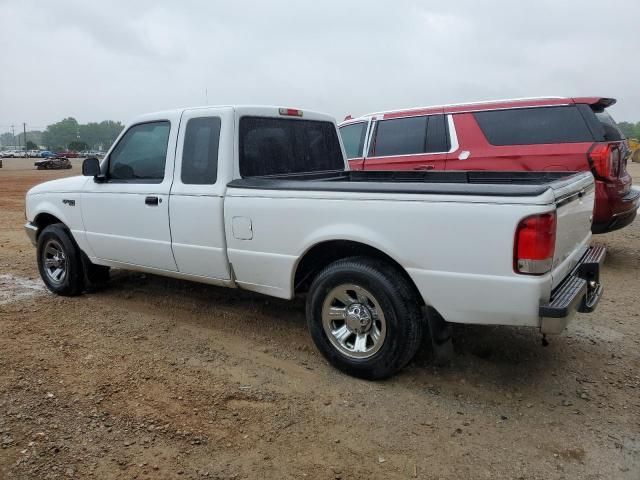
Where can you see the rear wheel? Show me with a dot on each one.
(59, 261)
(364, 317)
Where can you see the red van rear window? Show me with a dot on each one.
(529, 126)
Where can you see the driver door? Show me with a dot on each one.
(126, 217)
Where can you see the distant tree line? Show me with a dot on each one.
(68, 134)
(630, 130)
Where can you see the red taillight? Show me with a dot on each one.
(535, 244)
(290, 112)
(605, 160)
(615, 160)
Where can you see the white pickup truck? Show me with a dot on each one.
(260, 198)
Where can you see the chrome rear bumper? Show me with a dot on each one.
(580, 291)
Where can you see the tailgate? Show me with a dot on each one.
(574, 207)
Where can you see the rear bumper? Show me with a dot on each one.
(580, 291)
(625, 211)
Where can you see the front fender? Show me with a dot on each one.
(63, 206)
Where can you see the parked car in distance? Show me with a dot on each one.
(91, 153)
(67, 154)
(47, 154)
(6, 154)
(18, 154)
(53, 163)
(535, 134)
(258, 198)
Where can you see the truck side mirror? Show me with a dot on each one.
(91, 167)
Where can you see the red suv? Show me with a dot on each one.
(534, 134)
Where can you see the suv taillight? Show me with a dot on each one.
(604, 159)
(535, 244)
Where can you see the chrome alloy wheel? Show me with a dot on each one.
(54, 261)
(353, 321)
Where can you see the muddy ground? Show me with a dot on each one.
(156, 378)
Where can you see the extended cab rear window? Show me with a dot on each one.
(200, 153)
(529, 126)
(273, 146)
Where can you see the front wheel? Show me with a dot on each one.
(364, 316)
(59, 261)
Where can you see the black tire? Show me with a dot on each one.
(396, 298)
(56, 237)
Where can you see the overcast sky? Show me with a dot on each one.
(97, 60)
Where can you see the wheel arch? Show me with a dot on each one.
(43, 219)
(321, 254)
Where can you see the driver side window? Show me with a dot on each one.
(141, 154)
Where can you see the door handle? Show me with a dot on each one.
(152, 201)
(424, 167)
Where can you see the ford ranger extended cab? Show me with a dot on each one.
(261, 198)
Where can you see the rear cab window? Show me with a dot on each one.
(409, 136)
(274, 146)
(353, 137)
(536, 125)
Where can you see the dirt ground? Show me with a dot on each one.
(153, 378)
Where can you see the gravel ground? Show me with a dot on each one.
(158, 378)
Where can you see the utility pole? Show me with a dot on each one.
(24, 129)
(13, 132)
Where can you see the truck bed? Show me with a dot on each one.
(481, 183)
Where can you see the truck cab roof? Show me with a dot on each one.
(239, 110)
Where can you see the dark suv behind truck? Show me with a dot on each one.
(537, 134)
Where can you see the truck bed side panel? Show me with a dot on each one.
(459, 254)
